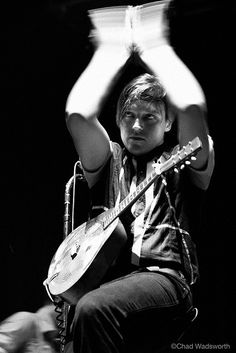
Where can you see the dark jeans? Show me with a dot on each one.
(135, 313)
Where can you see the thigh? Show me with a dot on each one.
(151, 302)
(144, 304)
(141, 290)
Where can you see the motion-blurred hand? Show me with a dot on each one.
(130, 28)
(111, 27)
(150, 25)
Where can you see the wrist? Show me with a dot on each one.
(150, 48)
(154, 54)
(111, 54)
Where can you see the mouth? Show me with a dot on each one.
(137, 138)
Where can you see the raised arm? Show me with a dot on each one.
(183, 90)
(89, 92)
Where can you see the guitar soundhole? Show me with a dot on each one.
(73, 255)
(74, 250)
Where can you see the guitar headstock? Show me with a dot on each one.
(183, 156)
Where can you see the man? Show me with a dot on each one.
(137, 306)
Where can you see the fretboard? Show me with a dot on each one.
(130, 199)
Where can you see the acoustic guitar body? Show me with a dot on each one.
(84, 257)
(86, 254)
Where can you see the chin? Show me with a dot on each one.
(136, 151)
(137, 148)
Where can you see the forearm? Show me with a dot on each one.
(90, 90)
(182, 88)
(151, 34)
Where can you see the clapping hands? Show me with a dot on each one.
(128, 28)
(110, 27)
(150, 27)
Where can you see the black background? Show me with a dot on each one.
(44, 49)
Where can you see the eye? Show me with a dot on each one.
(149, 117)
(128, 115)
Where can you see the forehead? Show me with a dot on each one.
(151, 107)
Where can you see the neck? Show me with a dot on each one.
(154, 153)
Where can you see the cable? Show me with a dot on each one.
(61, 309)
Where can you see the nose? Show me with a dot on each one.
(137, 125)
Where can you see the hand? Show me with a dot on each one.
(150, 25)
(110, 28)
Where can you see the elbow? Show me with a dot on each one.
(80, 111)
(192, 99)
(71, 109)
(72, 119)
(77, 119)
(69, 117)
(197, 109)
(73, 112)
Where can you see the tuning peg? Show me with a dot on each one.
(187, 162)
(193, 158)
(176, 170)
(182, 166)
(164, 181)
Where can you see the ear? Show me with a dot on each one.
(168, 125)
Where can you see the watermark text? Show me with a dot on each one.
(200, 346)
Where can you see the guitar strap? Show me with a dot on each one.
(138, 210)
(121, 176)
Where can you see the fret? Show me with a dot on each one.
(122, 206)
(145, 182)
(125, 201)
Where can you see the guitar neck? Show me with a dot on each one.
(130, 199)
(173, 162)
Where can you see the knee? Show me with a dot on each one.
(88, 307)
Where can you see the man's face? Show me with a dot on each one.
(143, 126)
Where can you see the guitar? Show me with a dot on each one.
(85, 255)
